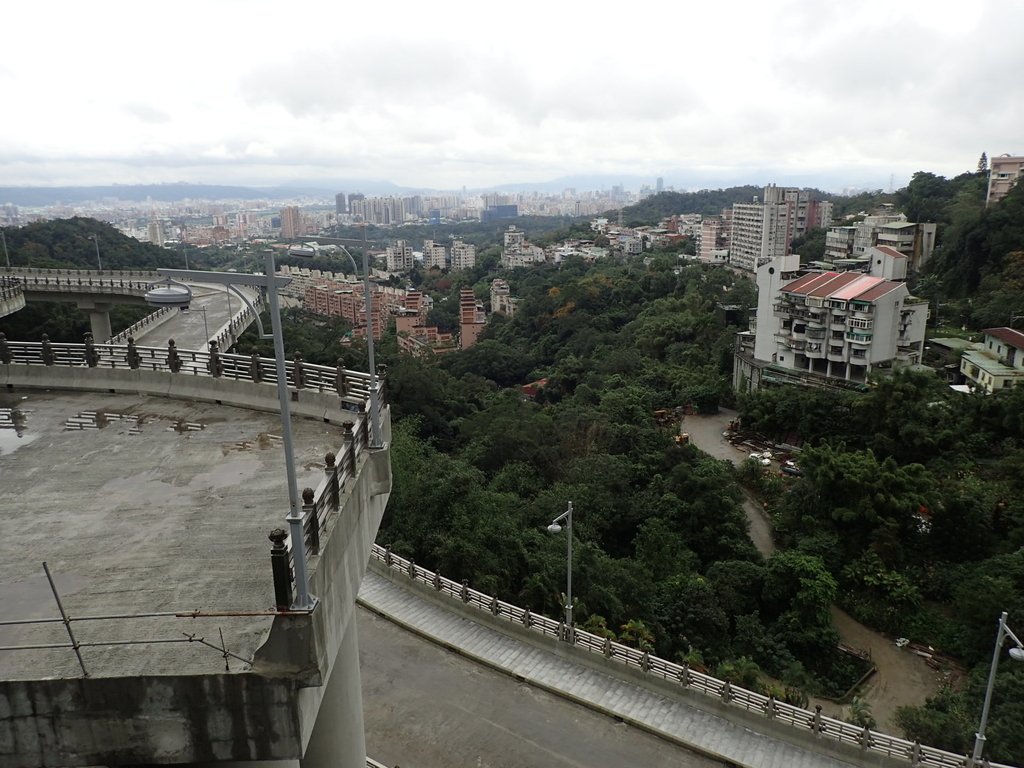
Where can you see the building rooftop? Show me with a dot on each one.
(138, 505)
(1007, 336)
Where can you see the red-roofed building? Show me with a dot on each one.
(822, 328)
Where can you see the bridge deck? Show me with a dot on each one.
(157, 505)
(661, 714)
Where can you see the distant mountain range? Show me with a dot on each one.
(325, 190)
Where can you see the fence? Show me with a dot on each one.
(353, 386)
(10, 288)
(769, 707)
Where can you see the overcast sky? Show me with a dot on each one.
(445, 94)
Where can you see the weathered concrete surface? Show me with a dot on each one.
(686, 717)
(430, 708)
(150, 516)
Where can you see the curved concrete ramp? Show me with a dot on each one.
(666, 716)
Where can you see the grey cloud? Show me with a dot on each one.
(146, 113)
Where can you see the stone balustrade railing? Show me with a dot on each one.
(153, 318)
(85, 282)
(109, 274)
(352, 386)
(809, 721)
(10, 287)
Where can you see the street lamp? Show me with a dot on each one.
(175, 294)
(7, 256)
(1017, 654)
(555, 527)
(96, 242)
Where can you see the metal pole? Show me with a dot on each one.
(979, 737)
(7, 256)
(568, 573)
(375, 436)
(96, 242)
(67, 622)
(303, 600)
(206, 328)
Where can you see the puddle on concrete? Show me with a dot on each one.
(181, 426)
(14, 432)
(88, 420)
(263, 440)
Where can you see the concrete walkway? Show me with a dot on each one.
(658, 713)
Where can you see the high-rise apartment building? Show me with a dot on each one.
(399, 256)
(291, 223)
(340, 203)
(472, 318)
(156, 232)
(1004, 171)
(463, 255)
(760, 232)
(434, 255)
(714, 239)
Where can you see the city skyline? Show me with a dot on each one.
(228, 93)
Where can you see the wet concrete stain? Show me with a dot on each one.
(14, 432)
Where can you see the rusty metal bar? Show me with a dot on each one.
(67, 623)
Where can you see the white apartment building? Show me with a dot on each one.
(434, 255)
(399, 256)
(916, 241)
(517, 252)
(997, 363)
(760, 233)
(502, 302)
(463, 255)
(1004, 171)
(714, 239)
(829, 328)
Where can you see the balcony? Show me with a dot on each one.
(816, 333)
(858, 338)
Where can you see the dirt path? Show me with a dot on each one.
(902, 678)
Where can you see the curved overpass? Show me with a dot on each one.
(96, 292)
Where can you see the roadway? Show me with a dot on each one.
(426, 707)
(903, 679)
(191, 329)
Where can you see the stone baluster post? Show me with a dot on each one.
(279, 566)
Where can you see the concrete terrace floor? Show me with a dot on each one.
(141, 515)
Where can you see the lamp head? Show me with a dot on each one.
(554, 528)
(169, 294)
(1017, 654)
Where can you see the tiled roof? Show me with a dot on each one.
(1007, 336)
(878, 291)
(856, 287)
(890, 251)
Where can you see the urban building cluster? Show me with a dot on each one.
(401, 257)
(334, 295)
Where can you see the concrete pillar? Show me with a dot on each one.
(99, 324)
(338, 739)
